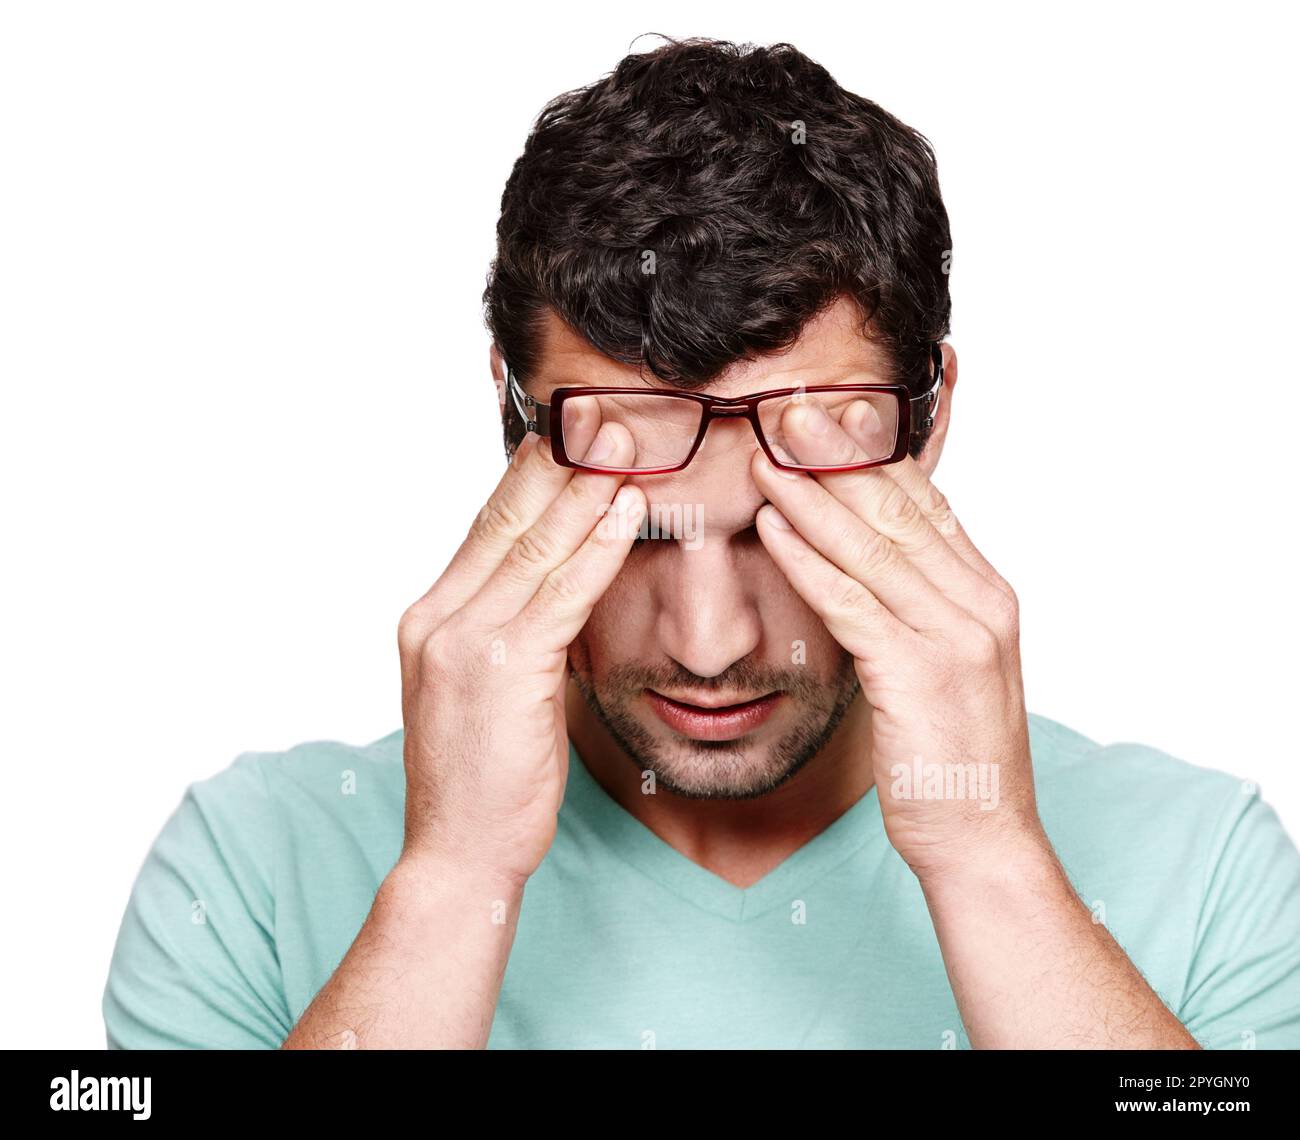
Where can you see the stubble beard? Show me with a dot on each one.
(722, 769)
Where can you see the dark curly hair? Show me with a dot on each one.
(756, 189)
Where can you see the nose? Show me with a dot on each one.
(707, 605)
(707, 618)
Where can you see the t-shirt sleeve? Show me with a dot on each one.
(195, 964)
(1243, 988)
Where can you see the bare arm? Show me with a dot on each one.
(425, 970)
(934, 631)
(1031, 969)
(486, 750)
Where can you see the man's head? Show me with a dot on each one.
(728, 219)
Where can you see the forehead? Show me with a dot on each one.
(830, 348)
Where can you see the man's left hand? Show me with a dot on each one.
(879, 555)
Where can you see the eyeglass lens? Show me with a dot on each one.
(809, 429)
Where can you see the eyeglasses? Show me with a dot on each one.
(836, 427)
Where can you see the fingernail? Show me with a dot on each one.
(602, 447)
(815, 420)
(782, 471)
(633, 508)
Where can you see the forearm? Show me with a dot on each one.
(1031, 969)
(425, 970)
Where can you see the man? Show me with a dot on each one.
(714, 731)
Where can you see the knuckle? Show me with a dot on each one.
(1008, 613)
(498, 519)
(530, 550)
(848, 596)
(979, 646)
(456, 661)
(940, 513)
(936, 502)
(414, 625)
(1005, 586)
(563, 585)
(442, 649)
(434, 651)
(873, 553)
(584, 493)
(408, 627)
(897, 511)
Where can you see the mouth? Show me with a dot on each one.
(712, 722)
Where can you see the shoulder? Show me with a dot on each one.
(308, 778)
(1190, 869)
(1079, 779)
(278, 851)
(1132, 823)
(292, 810)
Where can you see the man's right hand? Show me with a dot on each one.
(484, 665)
(485, 660)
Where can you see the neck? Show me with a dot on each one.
(738, 840)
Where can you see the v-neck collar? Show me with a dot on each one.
(585, 801)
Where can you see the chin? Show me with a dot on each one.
(718, 769)
(714, 750)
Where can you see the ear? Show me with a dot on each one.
(513, 429)
(497, 363)
(929, 457)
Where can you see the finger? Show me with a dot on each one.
(580, 506)
(873, 497)
(850, 611)
(530, 484)
(859, 549)
(563, 602)
(655, 432)
(810, 429)
(582, 421)
(934, 505)
(832, 429)
(589, 437)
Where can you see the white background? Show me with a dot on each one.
(242, 248)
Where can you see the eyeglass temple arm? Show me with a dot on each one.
(537, 417)
(931, 398)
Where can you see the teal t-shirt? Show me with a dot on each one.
(260, 880)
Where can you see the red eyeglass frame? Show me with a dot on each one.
(539, 417)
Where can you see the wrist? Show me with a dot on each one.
(1024, 859)
(419, 876)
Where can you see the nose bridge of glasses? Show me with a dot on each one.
(734, 412)
(728, 408)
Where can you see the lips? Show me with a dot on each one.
(723, 722)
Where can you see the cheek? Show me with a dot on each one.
(793, 634)
(621, 626)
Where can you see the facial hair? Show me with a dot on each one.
(721, 769)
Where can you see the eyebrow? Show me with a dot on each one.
(845, 377)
